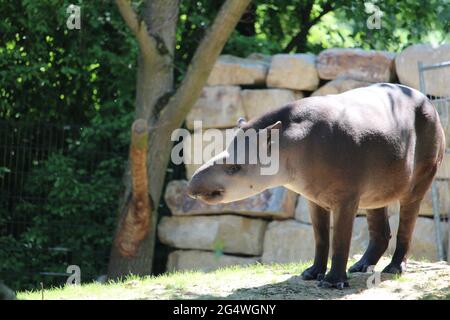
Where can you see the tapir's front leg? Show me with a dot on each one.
(320, 219)
(343, 217)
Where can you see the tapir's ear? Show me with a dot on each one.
(241, 122)
(276, 125)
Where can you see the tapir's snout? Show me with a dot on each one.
(209, 193)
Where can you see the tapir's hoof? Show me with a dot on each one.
(394, 268)
(313, 273)
(337, 285)
(359, 267)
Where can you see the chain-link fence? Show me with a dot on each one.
(59, 190)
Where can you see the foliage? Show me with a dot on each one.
(73, 220)
(60, 75)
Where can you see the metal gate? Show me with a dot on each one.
(442, 103)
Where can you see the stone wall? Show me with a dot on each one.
(274, 226)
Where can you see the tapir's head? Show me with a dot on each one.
(241, 170)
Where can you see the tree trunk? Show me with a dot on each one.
(135, 225)
(154, 81)
(164, 108)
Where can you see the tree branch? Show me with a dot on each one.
(175, 111)
(326, 8)
(298, 41)
(147, 43)
(203, 62)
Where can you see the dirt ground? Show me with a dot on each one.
(422, 280)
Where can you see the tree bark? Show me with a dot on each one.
(164, 108)
(135, 224)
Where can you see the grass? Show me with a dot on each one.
(423, 280)
(167, 286)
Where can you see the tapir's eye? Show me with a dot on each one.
(233, 169)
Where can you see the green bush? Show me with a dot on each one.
(76, 209)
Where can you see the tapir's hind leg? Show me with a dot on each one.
(408, 216)
(380, 233)
(409, 210)
(320, 219)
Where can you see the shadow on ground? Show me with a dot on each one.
(295, 288)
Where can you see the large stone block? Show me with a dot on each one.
(204, 260)
(358, 64)
(437, 80)
(224, 233)
(423, 245)
(443, 108)
(258, 102)
(302, 211)
(231, 70)
(426, 207)
(261, 57)
(201, 146)
(217, 107)
(278, 203)
(360, 236)
(444, 169)
(288, 241)
(293, 71)
(339, 85)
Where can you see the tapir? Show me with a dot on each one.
(364, 148)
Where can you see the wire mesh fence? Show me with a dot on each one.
(434, 81)
(59, 189)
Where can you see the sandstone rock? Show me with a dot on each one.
(363, 65)
(231, 70)
(339, 85)
(443, 108)
(203, 260)
(225, 233)
(444, 169)
(436, 81)
(293, 71)
(278, 203)
(302, 211)
(393, 208)
(217, 107)
(288, 241)
(258, 102)
(360, 236)
(423, 244)
(260, 56)
(6, 293)
(426, 207)
(196, 146)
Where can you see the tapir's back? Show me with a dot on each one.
(370, 138)
(377, 108)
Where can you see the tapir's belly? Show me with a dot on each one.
(373, 195)
(377, 183)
